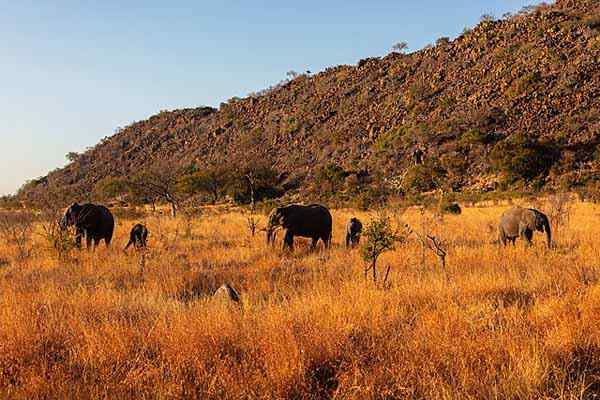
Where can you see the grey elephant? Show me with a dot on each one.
(522, 222)
(353, 232)
(94, 222)
(138, 237)
(312, 221)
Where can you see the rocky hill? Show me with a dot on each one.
(514, 101)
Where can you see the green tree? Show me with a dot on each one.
(332, 174)
(400, 47)
(521, 158)
(211, 180)
(252, 181)
(72, 156)
(379, 238)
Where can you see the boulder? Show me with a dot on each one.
(227, 294)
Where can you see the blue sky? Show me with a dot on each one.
(73, 71)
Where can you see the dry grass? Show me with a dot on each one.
(512, 323)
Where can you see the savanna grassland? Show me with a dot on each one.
(514, 323)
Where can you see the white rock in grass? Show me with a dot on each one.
(227, 293)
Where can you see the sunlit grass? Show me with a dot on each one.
(497, 323)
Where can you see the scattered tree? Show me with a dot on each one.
(379, 239)
(400, 47)
(211, 180)
(292, 75)
(332, 174)
(253, 181)
(487, 17)
(442, 41)
(72, 156)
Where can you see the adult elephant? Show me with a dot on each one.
(94, 222)
(519, 221)
(313, 221)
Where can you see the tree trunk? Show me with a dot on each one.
(251, 187)
(373, 266)
(173, 209)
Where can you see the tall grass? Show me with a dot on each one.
(514, 323)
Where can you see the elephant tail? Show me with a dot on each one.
(548, 231)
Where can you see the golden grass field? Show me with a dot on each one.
(514, 323)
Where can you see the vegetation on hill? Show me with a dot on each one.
(511, 103)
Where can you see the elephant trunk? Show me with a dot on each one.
(270, 231)
(63, 223)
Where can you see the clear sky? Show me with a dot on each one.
(73, 71)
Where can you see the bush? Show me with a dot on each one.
(472, 137)
(379, 238)
(331, 174)
(423, 178)
(369, 198)
(388, 140)
(521, 158)
(450, 208)
(590, 192)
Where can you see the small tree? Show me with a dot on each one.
(72, 156)
(333, 174)
(211, 180)
(253, 181)
(16, 229)
(443, 41)
(400, 47)
(292, 75)
(379, 239)
(487, 17)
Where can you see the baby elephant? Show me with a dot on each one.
(138, 237)
(353, 231)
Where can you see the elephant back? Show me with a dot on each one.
(309, 219)
(95, 218)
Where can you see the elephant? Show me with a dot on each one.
(519, 221)
(94, 222)
(138, 237)
(353, 231)
(312, 221)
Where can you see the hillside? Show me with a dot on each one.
(512, 102)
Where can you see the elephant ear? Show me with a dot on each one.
(275, 217)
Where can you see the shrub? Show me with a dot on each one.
(369, 198)
(16, 229)
(521, 158)
(447, 207)
(379, 239)
(524, 84)
(472, 137)
(332, 174)
(443, 41)
(423, 177)
(388, 140)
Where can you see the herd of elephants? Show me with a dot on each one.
(96, 223)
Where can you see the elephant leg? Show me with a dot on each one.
(349, 241)
(502, 237)
(528, 235)
(288, 240)
(313, 244)
(88, 242)
(78, 240)
(327, 241)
